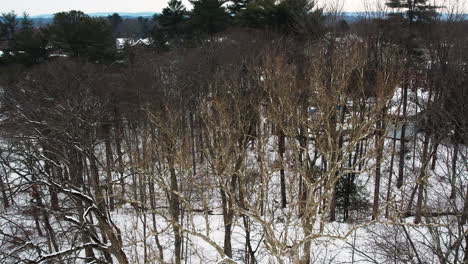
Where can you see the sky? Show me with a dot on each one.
(40, 7)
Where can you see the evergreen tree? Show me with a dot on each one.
(82, 36)
(350, 196)
(173, 18)
(115, 20)
(144, 27)
(30, 43)
(171, 24)
(209, 16)
(258, 14)
(414, 10)
(298, 17)
(10, 23)
(26, 22)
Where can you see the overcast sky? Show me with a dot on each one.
(38, 7)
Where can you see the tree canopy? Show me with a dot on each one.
(82, 35)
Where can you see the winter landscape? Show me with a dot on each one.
(243, 131)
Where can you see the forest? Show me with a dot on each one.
(244, 131)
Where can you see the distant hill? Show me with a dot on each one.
(98, 14)
(45, 19)
(41, 20)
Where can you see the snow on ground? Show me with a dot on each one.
(359, 240)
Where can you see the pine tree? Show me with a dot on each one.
(30, 42)
(173, 18)
(414, 10)
(171, 25)
(209, 16)
(10, 23)
(298, 17)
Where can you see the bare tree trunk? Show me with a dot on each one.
(139, 161)
(48, 226)
(389, 186)
(118, 144)
(227, 218)
(453, 179)
(261, 168)
(379, 144)
(464, 218)
(6, 203)
(145, 245)
(422, 179)
(200, 141)
(175, 208)
(192, 142)
(281, 150)
(132, 165)
(100, 200)
(250, 254)
(434, 158)
(465, 258)
(108, 230)
(153, 215)
(49, 170)
(333, 202)
(109, 165)
(78, 179)
(153, 198)
(307, 225)
(401, 163)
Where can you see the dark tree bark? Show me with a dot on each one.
(109, 165)
(281, 150)
(175, 207)
(453, 179)
(401, 162)
(118, 145)
(193, 143)
(421, 180)
(227, 218)
(6, 203)
(379, 144)
(389, 186)
(464, 218)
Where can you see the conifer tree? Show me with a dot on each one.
(115, 20)
(82, 35)
(209, 16)
(31, 43)
(300, 17)
(413, 10)
(10, 23)
(172, 19)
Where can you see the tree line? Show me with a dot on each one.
(77, 34)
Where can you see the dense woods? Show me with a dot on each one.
(249, 131)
